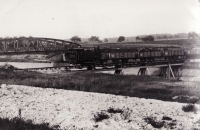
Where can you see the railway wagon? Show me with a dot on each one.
(193, 53)
(161, 54)
(115, 56)
(142, 55)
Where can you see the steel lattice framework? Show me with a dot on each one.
(34, 45)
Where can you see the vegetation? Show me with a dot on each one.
(125, 114)
(121, 39)
(20, 124)
(166, 118)
(137, 38)
(189, 108)
(166, 122)
(193, 35)
(94, 39)
(75, 39)
(154, 123)
(100, 116)
(127, 85)
(113, 110)
(164, 37)
(146, 38)
(105, 40)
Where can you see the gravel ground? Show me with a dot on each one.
(77, 110)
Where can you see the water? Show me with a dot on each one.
(131, 71)
(188, 75)
(23, 65)
(26, 65)
(191, 75)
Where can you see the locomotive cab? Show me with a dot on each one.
(72, 55)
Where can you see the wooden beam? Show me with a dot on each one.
(171, 71)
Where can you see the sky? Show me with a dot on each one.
(63, 19)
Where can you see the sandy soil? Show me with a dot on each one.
(76, 110)
(51, 71)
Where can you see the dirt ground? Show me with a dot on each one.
(77, 110)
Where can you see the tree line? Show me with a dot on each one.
(95, 39)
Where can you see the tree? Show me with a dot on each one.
(137, 38)
(105, 40)
(75, 39)
(121, 39)
(176, 36)
(148, 38)
(159, 37)
(164, 36)
(94, 39)
(193, 35)
(15, 37)
(170, 36)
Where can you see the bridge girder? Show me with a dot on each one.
(34, 44)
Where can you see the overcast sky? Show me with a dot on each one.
(104, 18)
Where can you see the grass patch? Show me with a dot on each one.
(126, 114)
(166, 122)
(113, 110)
(100, 116)
(20, 124)
(166, 118)
(126, 85)
(189, 108)
(154, 123)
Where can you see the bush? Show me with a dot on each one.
(166, 118)
(126, 114)
(112, 110)
(189, 108)
(100, 116)
(154, 123)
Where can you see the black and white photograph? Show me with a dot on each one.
(99, 64)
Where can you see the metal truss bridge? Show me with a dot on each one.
(34, 45)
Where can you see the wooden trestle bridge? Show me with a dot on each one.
(166, 70)
(34, 45)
